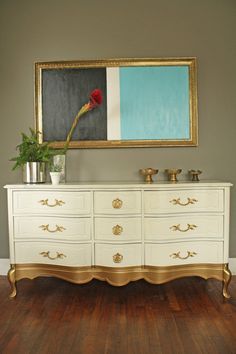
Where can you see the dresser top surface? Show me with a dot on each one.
(122, 185)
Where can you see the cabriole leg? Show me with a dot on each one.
(227, 278)
(12, 280)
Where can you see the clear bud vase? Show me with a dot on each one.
(61, 161)
(55, 177)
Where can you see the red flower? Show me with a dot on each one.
(95, 98)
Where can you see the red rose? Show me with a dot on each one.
(95, 98)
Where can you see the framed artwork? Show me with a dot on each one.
(146, 102)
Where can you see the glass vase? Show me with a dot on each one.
(61, 161)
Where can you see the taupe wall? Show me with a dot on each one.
(50, 30)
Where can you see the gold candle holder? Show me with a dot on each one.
(172, 174)
(195, 174)
(148, 173)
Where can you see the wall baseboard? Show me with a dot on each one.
(5, 265)
(232, 265)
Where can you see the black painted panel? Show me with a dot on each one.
(64, 93)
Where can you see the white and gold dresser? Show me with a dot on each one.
(119, 232)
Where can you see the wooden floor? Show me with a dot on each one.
(52, 316)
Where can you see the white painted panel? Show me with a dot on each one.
(183, 201)
(56, 228)
(71, 254)
(130, 202)
(113, 104)
(184, 227)
(51, 202)
(130, 253)
(130, 229)
(163, 254)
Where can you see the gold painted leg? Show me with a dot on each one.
(12, 281)
(227, 278)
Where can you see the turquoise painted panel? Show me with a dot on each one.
(154, 103)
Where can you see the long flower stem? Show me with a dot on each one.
(85, 108)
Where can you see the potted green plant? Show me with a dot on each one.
(55, 173)
(33, 157)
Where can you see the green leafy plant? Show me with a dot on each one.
(30, 150)
(55, 168)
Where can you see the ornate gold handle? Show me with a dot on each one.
(117, 230)
(58, 255)
(177, 255)
(57, 203)
(177, 228)
(117, 203)
(46, 228)
(117, 258)
(178, 202)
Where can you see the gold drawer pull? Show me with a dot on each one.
(58, 255)
(117, 258)
(177, 255)
(117, 230)
(46, 228)
(178, 202)
(57, 203)
(177, 228)
(117, 203)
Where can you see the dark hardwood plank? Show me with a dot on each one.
(55, 317)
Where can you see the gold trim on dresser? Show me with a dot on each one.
(56, 203)
(122, 275)
(117, 230)
(117, 258)
(227, 278)
(12, 280)
(117, 203)
(178, 201)
(57, 256)
(177, 255)
(178, 228)
(47, 228)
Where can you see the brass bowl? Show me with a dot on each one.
(172, 174)
(148, 173)
(195, 174)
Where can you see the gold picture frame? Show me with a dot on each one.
(146, 102)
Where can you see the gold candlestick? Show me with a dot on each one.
(195, 174)
(148, 173)
(172, 174)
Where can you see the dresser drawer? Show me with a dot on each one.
(183, 253)
(180, 201)
(117, 202)
(53, 253)
(56, 228)
(114, 255)
(184, 227)
(118, 229)
(51, 202)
